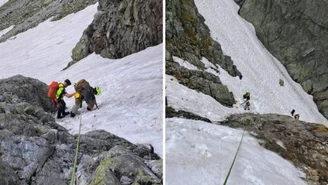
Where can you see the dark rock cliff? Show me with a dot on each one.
(121, 28)
(189, 38)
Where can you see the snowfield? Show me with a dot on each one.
(131, 99)
(201, 153)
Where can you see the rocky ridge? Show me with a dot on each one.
(189, 38)
(34, 149)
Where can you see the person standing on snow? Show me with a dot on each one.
(246, 98)
(60, 93)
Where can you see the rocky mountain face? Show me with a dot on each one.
(304, 144)
(189, 38)
(34, 149)
(296, 33)
(26, 14)
(121, 28)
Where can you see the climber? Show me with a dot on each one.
(246, 98)
(87, 93)
(293, 111)
(247, 105)
(297, 117)
(60, 93)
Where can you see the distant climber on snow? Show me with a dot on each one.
(293, 111)
(56, 92)
(297, 117)
(87, 93)
(246, 98)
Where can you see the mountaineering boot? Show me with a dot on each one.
(72, 115)
(60, 117)
(66, 113)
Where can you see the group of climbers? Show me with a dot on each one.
(247, 104)
(83, 91)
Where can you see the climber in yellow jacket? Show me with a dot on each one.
(60, 93)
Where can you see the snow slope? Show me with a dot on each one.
(261, 71)
(131, 99)
(201, 153)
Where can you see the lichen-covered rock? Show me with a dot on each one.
(104, 175)
(121, 28)
(118, 166)
(189, 38)
(295, 32)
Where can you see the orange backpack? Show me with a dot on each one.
(52, 90)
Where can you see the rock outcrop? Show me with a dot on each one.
(295, 32)
(34, 149)
(26, 14)
(189, 38)
(305, 144)
(121, 28)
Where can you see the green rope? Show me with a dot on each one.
(76, 152)
(234, 159)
